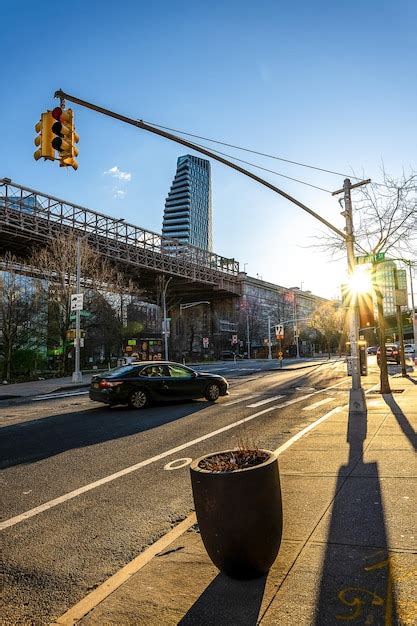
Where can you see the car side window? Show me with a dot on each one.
(132, 373)
(155, 371)
(176, 371)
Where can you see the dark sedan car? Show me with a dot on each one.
(141, 383)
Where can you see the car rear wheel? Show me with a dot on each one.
(138, 399)
(212, 392)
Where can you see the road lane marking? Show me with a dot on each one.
(133, 468)
(261, 402)
(307, 429)
(310, 407)
(177, 463)
(240, 400)
(51, 396)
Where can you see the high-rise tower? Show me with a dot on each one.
(187, 214)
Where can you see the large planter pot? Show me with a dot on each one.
(239, 514)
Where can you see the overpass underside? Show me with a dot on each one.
(29, 218)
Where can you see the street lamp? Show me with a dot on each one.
(165, 330)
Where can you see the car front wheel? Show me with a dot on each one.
(138, 399)
(212, 392)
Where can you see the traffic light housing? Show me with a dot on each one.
(366, 311)
(64, 137)
(44, 139)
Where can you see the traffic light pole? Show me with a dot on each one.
(77, 375)
(357, 396)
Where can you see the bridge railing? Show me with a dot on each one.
(18, 202)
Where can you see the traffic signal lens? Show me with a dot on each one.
(57, 143)
(56, 113)
(57, 128)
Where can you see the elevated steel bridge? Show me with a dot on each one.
(30, 218)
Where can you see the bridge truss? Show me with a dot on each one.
(29, 218)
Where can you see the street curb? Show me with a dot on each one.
(55, 390)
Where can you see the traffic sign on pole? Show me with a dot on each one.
(77, 301)
(379, 257)
(279, 331)
(205, 342)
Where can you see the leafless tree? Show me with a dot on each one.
(57, 264)
(385, 220)
(19, 311)
(329, 321)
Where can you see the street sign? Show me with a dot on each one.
(370, 258)
(86, 314)
(234, 339)
(279, 331)
(77, 301)
(205, 342)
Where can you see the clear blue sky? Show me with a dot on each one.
(324, 82)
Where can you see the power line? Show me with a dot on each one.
(269, 156)
(265, 169)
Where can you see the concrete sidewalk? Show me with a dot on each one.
(38, 387)
(349, 544)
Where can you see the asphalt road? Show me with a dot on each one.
(86, 488)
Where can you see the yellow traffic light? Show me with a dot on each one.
(65, 137)
(44, 138)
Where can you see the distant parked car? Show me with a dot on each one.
(141, 383)
(372, 349)
(410, 350)
(226, 355)
(392, 351)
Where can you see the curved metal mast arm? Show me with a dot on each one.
(157, 131)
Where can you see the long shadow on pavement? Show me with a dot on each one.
(38, 439)
(356, 585)
(227, 601)
(402, 420)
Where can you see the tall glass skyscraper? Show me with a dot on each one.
(187, 214)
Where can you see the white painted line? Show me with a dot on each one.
(310, 407)
(240, 400)
(51, 396)
(261, 402)
(128, 470)
(177, 464)
(303, 432)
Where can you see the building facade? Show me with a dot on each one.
(385, 278)
(188, 212)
